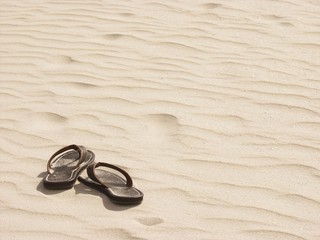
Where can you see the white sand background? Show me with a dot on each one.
(212, 107)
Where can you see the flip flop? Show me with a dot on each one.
(65, 165)
(118, 189)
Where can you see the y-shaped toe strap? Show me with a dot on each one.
(91, 173)
(82, 156)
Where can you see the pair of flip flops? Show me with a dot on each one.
(65, 166)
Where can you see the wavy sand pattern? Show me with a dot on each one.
(213, 107)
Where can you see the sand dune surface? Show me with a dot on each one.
(212, 107)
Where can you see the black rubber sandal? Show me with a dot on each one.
(118, 189)
(65, 165)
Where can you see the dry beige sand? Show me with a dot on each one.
(212, 107)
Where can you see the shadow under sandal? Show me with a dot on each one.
(118, 189)
(65, 165)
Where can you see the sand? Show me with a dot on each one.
(212, 107)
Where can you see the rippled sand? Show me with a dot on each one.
(212, 107)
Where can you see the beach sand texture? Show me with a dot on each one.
(212, 107)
